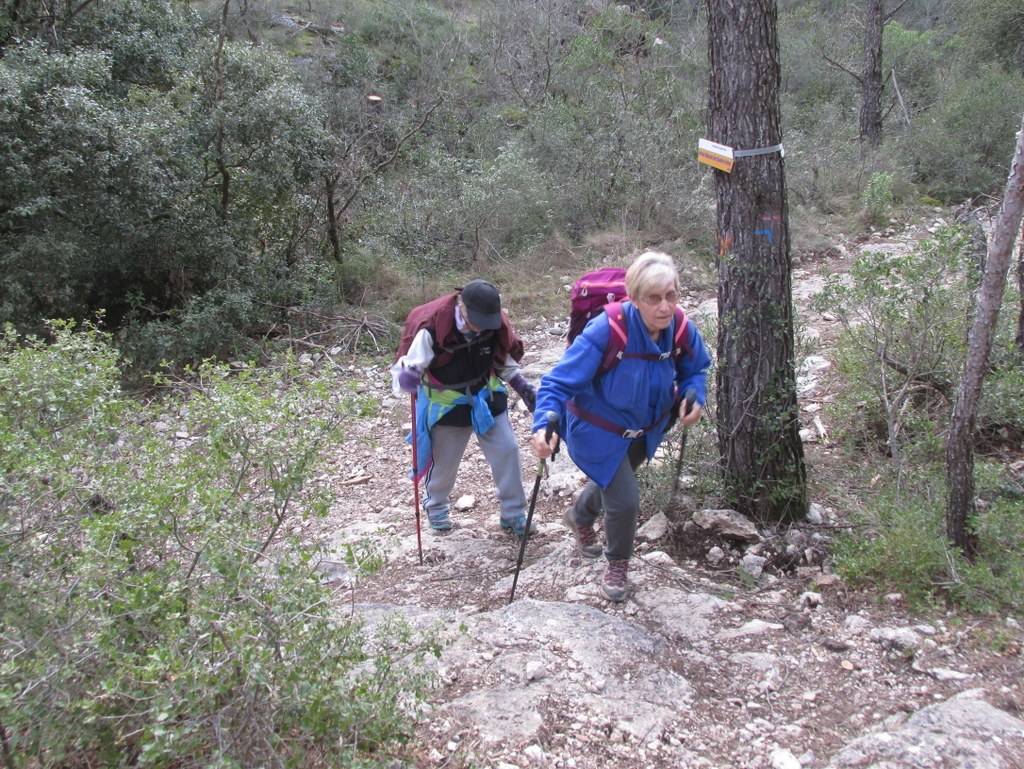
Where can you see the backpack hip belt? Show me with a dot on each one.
(629, 433)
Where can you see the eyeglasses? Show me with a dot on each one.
(653, 300)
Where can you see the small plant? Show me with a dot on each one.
(877, 197)
(899, 544)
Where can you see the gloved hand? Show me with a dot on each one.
(409, 379)
(526, 391)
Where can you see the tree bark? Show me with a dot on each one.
(330, 183)
(1020, 290)
(871, 75)
(959, 451)
(758, 416)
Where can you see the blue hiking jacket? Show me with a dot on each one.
(634, 394)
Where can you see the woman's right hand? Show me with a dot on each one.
(542, 448)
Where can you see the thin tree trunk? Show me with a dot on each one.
(871, 76)
(1020, 291)
(218, 97)
(758, 416)
(899, 98)
(330, 185)
(959, 451)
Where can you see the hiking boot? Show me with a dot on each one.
(440, 521)
(517, 525)
(613, 586)
(587, 541)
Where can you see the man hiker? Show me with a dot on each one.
(456, 354)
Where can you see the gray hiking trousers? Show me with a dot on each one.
(501, 450)
(620, 503)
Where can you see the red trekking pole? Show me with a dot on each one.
(416, 479)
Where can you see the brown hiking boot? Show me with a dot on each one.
(586, 538)
(613, 586)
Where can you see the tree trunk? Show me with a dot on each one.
(330, 186)
(218, 97)
(871, 76)
(1020, 291)
(758, 416)
(959, 451)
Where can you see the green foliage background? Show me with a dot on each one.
(199, 171)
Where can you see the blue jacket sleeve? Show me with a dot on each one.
(574, 373)
(692, 366)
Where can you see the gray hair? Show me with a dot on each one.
(650, 271)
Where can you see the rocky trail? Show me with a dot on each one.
(735, 648)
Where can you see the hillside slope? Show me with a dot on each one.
(700, 667)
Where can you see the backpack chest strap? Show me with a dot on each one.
(651, 356)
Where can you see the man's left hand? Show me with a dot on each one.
(526, 391)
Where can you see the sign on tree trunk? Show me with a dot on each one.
(758, 415)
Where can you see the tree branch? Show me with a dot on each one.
(385, 162)
(841, 67)
(893, 12)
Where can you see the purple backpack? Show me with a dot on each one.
(592, 293)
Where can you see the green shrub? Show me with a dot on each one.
(996, 577)
(877, 197)
(903, 341)
(899, 544)
(154, 608)
(1002, 398)
(454, 212)
(962, 146)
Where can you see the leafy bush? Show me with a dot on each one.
(877, 197)
(962, 146)
(1002, 398)
(456, 211)
(904, 318)
(919, 62)
(154, 609)
(899, 544)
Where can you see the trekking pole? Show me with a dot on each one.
(672, 511)
(552, 420)
(415, 479)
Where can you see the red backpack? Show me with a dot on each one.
(604, 289)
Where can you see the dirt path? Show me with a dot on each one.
(699, 667)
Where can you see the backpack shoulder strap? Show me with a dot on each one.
(616, 337)
(681, 340)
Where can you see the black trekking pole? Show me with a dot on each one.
(672, 511)
(552, 421)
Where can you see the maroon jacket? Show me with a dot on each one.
(439, 316)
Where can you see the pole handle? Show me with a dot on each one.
(690, 398)
(551, 428)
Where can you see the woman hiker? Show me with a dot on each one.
(612, 421)
(456, 353)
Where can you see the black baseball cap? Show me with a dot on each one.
(483, 305)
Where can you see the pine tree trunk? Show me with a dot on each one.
(959, 451)
(871, 76)
(758, 416)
